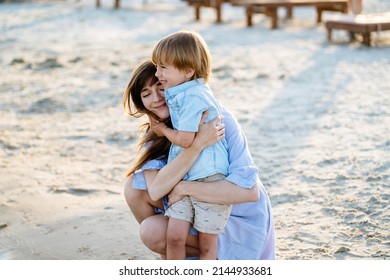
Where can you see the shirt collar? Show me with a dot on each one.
(173, 91)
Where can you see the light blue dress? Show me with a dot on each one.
(249, 233)
(186, 103)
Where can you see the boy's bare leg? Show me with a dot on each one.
(153, 234)
(176, 239)
(208, 246)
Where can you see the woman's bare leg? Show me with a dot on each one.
(139, 201)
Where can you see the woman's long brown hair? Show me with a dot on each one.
(151, 146)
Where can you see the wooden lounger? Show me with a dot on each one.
(216, 4)
(270, 7)
(364, 24)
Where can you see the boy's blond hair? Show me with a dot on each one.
(184, 50)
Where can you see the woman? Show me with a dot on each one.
(249, 233)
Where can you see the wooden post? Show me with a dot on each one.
(197, 11)
(319, 15)
(249, 14)
(367, 38)
(218, 8)
(289, 12)
(273, 13)
(329, 34)
(355, 6)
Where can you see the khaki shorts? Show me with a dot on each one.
(205, 217)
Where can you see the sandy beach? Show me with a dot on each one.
(316, 115)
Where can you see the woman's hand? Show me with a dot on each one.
(210, 133)
(177, 193)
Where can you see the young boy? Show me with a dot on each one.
(183, 64)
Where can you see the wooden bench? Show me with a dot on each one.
(197, 4)
(363, 24)
(216, 4)
(270, 8)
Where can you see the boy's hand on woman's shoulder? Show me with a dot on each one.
(158, 127)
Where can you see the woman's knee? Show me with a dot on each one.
(153, 233)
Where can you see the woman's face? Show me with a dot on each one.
(153, 98)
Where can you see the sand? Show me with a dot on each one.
(316, 116)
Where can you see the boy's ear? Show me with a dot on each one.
(190, 73)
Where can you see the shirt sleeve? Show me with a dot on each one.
(139, 182)
(191, 108)
(242, 169)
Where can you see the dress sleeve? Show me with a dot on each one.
(242, 169)
(139, 182)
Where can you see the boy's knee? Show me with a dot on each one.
(174, 239)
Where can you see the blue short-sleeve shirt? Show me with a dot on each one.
(186, 104)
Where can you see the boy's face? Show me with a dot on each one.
(169, 76)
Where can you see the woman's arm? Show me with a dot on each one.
(173, 172)
(211, 192)
(241, 184)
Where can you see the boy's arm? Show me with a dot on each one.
(179, 138)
